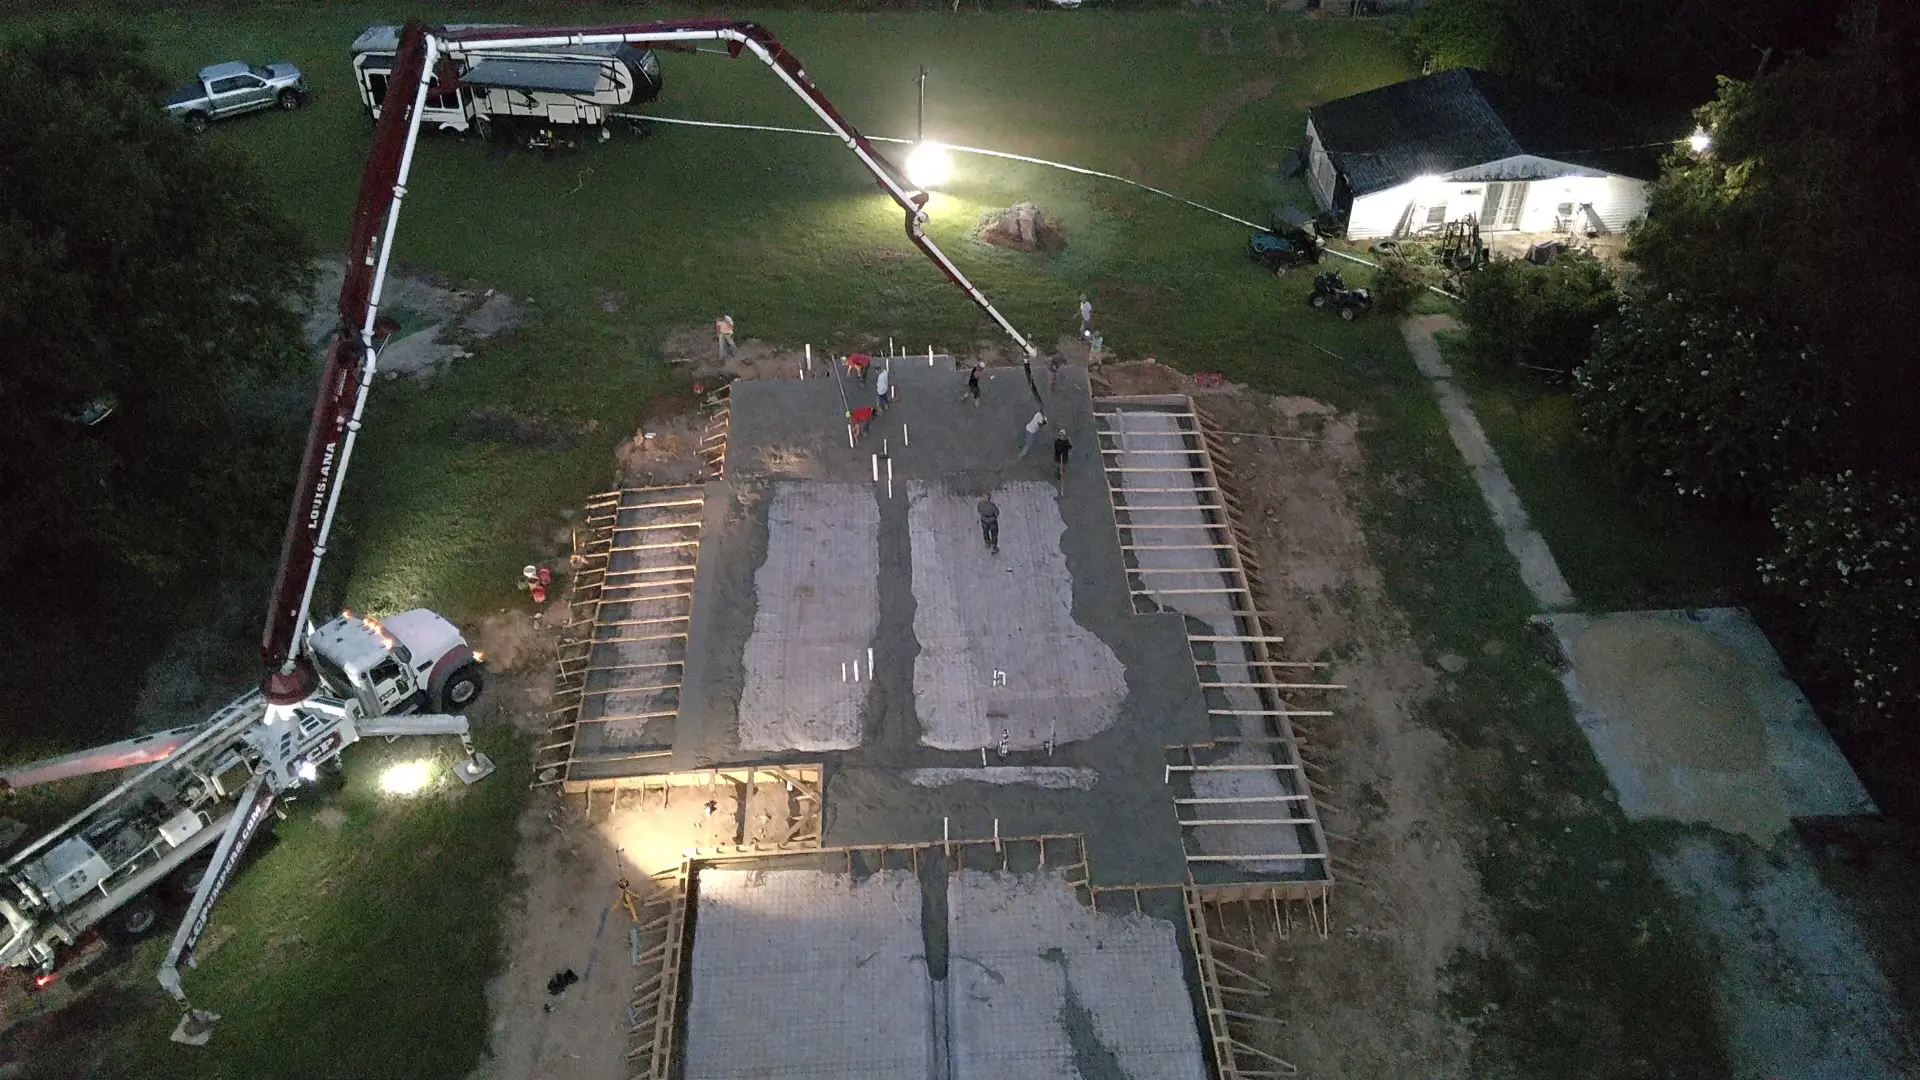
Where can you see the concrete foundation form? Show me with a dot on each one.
(621, 658)
(1244, 799)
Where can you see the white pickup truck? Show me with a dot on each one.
(225, 90)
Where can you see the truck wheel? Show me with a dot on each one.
(290, 100)
(462, 689)
(196, 122)
(136, 921)
(184, 882)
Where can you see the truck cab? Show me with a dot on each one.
(413, 661)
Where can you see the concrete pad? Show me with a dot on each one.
(1796, 984)
(804, 973)
(1694, 720)
(1041, 776)
(1044, 987)
(818, 597)
(978, 613)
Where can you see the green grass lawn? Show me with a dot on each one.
(396, 912)
(1622, 545)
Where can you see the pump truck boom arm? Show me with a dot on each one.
(345, 377)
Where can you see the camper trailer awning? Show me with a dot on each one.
(557, 76)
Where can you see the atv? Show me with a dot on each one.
(1330, 291)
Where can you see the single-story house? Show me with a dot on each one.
(1405, 159)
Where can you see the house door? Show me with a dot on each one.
(1500, 209)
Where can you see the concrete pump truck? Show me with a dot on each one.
(212, 784)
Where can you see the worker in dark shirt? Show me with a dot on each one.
(973, 385)
(1062, 446)
(990, 523)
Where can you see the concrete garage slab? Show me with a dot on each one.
(1045, 988)
(956, 974)
(817, 606)
(1000, 652)
(805, 973)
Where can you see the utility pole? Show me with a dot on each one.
(920, 131)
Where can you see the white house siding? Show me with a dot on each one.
(1617, 200)
(1320, 174)
(1378, 214)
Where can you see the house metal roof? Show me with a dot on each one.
(557, 76)
(1461, 118)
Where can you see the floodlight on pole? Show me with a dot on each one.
(1700, 141)
(927, 165)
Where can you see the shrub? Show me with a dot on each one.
(1397, 284)
(1537, 316)
(1716, 402)
(1846, 556)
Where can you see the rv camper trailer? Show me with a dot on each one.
(574, 84)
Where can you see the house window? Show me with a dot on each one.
(1565, 209)
(1437, 215)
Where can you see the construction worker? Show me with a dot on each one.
(1086, 318)
(1033, 432)
(990, 522)
(882, 389)
(973, 384)
(858, 364)
(861, 418)
(1062, 446)
(723, 334)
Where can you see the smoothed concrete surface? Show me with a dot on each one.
(818, 605)
(1000, 652)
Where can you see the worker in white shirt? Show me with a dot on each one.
(1033, 432)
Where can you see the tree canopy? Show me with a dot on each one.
(145, 272)
(1648, 48)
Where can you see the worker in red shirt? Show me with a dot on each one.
(861, 418)
(858, 364)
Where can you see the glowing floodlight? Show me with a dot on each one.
(1427, 186)
(407, 778)
(309, 772)
(927, 166)
(1700, 141)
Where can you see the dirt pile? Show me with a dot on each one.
(1024, 227)
(665, 451)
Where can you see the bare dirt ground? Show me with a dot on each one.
(1365, 1001)
(567, 914)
